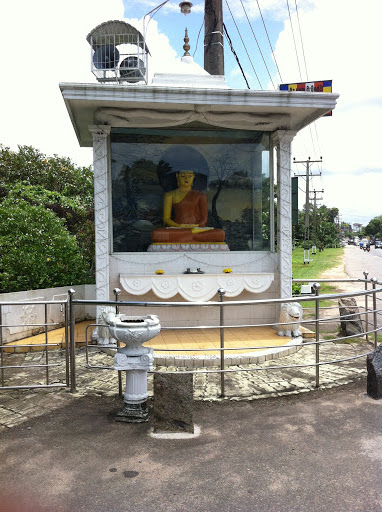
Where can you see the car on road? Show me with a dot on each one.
(378, 244)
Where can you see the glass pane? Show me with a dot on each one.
(224, 198)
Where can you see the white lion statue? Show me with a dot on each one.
(102, 333)
(290, 312)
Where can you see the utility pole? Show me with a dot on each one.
(307, 176)
(213, 37)
(315, 192)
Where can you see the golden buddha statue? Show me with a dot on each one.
(185, 210)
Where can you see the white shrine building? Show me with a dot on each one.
(133, 126)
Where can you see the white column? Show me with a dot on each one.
(282, 140)
(101, 208)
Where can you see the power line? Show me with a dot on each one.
(306, 67)
(233, 51)
(261, 53)
(269, 41)
(302, 44)
(294, 40)
(308, 176)
(197, 40)
(245, 48)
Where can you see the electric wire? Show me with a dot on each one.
(269, 41)
(197, 40)
(261, 53)
(302, 44)
(294, 40)
(234, 53)
(245, 48)
(305, 64)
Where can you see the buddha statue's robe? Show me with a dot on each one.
(192, 209)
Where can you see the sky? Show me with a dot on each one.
(44, 43)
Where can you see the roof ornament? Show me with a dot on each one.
(186, 46)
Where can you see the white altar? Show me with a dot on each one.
(196, 287)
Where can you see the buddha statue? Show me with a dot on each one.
(185, 210)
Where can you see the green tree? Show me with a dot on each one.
(36, 249)
(374, 228)
(326, 227)
(56, 185)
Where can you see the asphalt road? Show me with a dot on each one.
(319, 451)
(357, 260)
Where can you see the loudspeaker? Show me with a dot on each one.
(106, 57)
(131, 62)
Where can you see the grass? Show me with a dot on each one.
(320, 262)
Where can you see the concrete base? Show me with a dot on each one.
(133, 413)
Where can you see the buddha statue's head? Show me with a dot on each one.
(185, 179)
(180, 159)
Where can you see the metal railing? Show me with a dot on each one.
(16, 346)
(371, 328)
(371, 319)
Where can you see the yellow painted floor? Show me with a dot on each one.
(170, 341)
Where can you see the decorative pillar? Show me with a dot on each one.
(101, 210)
(282, 140)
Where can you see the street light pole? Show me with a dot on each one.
(213, 37)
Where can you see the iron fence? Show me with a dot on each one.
(370, 328)
(45, 346)
(370, 312)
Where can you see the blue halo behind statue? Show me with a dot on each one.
(185, 158)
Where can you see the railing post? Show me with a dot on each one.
(221, 293)
(67, 343)
(71, 292)
(116, 292)
(366, 305)
(1, 347)
(46, 343)
(316, 287)
(375, 321)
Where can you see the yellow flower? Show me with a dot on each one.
(227, 270)
(47, 259)
(160, 271)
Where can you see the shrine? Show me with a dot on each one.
(184, 175)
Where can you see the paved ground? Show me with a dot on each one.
(293, 450)
(314, 452)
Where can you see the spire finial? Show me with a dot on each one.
(186, 46)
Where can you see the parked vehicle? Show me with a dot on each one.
(378, 244)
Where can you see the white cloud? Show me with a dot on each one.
(46, 42)
(163, 58)
(341, 43)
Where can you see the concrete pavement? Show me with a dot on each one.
(293, 450)
(314, 452)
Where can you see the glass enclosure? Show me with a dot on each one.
(229, 173)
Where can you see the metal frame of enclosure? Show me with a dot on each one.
(372, 312)
(45, 327)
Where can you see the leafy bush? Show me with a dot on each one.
(47, 221)
(51, 172)
(36, 249)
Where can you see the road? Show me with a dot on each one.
(357, 261)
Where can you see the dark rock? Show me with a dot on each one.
(351, 322)
(374, 374)
(173, 403)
